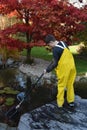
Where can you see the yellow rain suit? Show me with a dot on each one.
(66, 73)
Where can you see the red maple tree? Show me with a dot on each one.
(40, 17)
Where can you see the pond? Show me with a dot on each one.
(12, 82)
(13, 87)
(81, 87)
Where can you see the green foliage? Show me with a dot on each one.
(81, 65)
(8, 90)
(9, 101)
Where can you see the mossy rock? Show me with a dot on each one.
(9, 101)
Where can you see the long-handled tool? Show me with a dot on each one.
(15, 109)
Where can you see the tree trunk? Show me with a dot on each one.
(28, 39)
(28, 56)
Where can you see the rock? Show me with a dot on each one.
(4, 126)
(49, 117)
(9, 61)
(36, 69)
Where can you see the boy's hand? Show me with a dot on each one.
(45, 71)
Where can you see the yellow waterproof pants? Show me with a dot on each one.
(66, 73)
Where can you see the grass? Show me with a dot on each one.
(41, 52)
(81, 65)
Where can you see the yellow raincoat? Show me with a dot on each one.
(66, 73)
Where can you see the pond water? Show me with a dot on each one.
(14, 85)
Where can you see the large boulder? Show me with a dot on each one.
(49, 117)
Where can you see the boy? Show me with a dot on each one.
(65, 70)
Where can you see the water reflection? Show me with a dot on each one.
(13, 78)
(7, 76)
(21, 79)
(12, 86)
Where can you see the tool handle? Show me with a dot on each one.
(29, 91)
(32, 86)
(38, 79)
